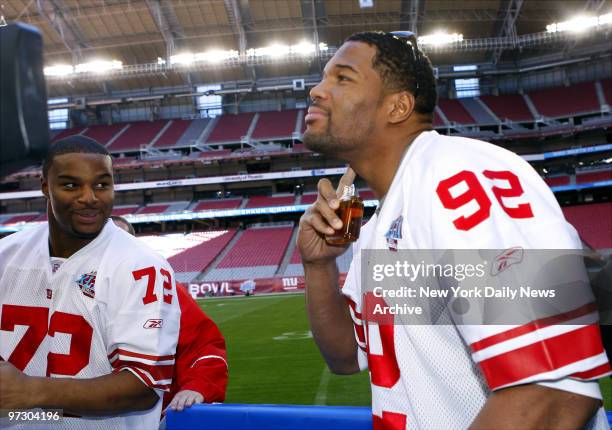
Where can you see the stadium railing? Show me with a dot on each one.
(273, 417)
(270, 417)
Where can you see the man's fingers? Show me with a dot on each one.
(347, 179)
(328, 213)
(316, 221)
(326, 191)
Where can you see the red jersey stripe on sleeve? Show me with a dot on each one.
(354, 308)
(543, 356)
(127, 353)
(595, 373)
(533, 326)
(158, 372)
(145, 378)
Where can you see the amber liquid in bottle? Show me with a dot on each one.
(350, 213)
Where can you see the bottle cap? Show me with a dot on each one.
(348, 191)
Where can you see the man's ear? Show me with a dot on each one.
(44, 187)
(401, 106)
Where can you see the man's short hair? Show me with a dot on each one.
(119, 219)
(71, 145)
(398, 69)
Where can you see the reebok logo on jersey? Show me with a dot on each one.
(506, 259)
(153, 324)
(87, 284)
(394, 233)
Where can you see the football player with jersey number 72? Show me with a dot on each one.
(89, 317)
(374, 109)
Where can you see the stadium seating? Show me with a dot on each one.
(593, 222)
(138, 133)
(257, 254)
(265, 201)
(124, 210)
(366, 194)
(478, 111)
(567, 101)
(19, 218)
(231, 128)
(577, 99)
(606, 86)
(218, 204)
(154, 208)
(554, 181)
(308, 198)
(582, 178)
(66, 133)
(455, 111)
(190, 262)
(295, 268)
(509, 107)
(438, 122)
(274, 125)
(193, 132)
(104, 133)
(172, 134)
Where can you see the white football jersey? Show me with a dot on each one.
(111, 306)
(459, 193)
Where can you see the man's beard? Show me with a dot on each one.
(327, 144)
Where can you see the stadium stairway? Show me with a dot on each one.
(289, 252)
(531, 106)
(213, 265)
(601, 96)
(476, 109)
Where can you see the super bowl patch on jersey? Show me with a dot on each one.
(394, 233)
(87, 283)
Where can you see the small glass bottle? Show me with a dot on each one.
(350, 213)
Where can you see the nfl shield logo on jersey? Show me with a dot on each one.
(87, 283)
(394, 233)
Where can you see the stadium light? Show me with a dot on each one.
(59, 70)
(216, 56)
(440, 38)
(98, 66)
(303, 48)
(580, 23)
(186, 59)
(279, 50)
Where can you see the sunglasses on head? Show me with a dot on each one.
(410, 40)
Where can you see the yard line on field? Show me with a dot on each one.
(321, 397)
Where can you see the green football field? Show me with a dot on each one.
(273, 359)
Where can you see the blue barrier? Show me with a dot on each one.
(270, 417)
(273, 417)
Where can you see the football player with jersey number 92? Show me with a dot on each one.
(374, 109)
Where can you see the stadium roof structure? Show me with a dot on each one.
(143, 35)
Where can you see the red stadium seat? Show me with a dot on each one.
(258, 247)
(593, 222)
(509, 107)
(275, 125)
(566, 101)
